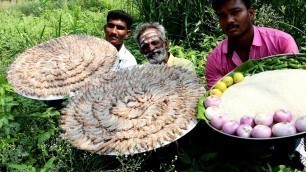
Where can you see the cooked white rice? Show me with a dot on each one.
(267, 92)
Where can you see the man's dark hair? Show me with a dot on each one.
(216, 4)
(120, 15)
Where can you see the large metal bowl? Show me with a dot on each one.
(243, 68)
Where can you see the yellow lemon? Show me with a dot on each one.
(216, 92)
(238, 77)
(228, 80)
(220, 86)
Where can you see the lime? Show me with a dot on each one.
(220, 86)
(216, 92)
(228, 80)
(238, 77)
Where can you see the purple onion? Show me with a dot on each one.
(218, 121)
(212, 100)
(212, 111)
(230, 127)
(261, 131)
(263, 118)
(283, 129)
(247, 120)
(244, 130)
(300, 124)
(282, 115)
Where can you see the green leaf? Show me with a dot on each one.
(2, 91)
(194, 59)
(201, 109)
(245, 66)
(3, 121)
(10, 105)
(18, 166)
(42, 33)
(50, 112)
(42, 138)
(209, 156)
(3, 80)
(186, 159)
(6, 130)
(49, 164)
(31, 169)
(8, 87)
(192, 169)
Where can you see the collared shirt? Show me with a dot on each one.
(266, 42)
(184, 63)
(125, 59)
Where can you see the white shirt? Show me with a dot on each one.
(125, 59)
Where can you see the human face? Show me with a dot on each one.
(235, 19)
(152, 46)
(116, 31)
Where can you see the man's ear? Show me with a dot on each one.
(104, 27)
(128, 33)
(251, 13)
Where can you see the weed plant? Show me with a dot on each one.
(183, 21)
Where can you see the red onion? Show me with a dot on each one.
(283, 129)
(282, 115)
(212, 111)
(247, 120)
(212, 100)
(218, 121)
(244, 130)
(300, 124)
(230, 127)
(263, 118)
(261, 131)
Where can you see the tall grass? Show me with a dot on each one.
(29, 23)
(191, 20)
(292, 15)
(183, 20)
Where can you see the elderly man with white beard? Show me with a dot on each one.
(153, 44)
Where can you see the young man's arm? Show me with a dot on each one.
(289, 45)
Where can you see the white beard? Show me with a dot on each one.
(159, 58)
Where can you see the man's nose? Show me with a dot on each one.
(114, 29)
(151, 47)
(230, 19)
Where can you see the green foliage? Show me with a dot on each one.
(183, 21)
(192, 21)
(21, 28)
(19, 119)
(285, 15)
(197, 56)
(266, 16)
(28, 24)
(128, 163)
